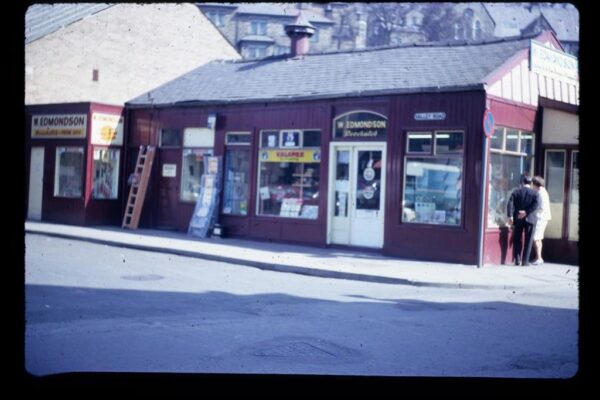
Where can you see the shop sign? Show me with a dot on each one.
(360, 124)
(430, 116)
(59, 126)
(293, 156)
(107, 129)
(551, 62)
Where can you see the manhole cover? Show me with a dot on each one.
(148, 277)
(294, 349)
(304, 348)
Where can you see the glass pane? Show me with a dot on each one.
(170, 138)
(574, 204)
(527, 143)
(448, 142)
(287, 186)
(420, 142)
(192, 170)
(237, 138)
(237, 178)
(68, 180)
(497, 138)
(105, 173)
(269, 139)
(505, 174)
(512, 140)
(433, 190)
(368, 180)
(555, 179)
(342, 182)
(312, 138)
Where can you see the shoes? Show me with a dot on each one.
(538, 262)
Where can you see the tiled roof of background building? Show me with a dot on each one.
(421, 68)
(42, 19)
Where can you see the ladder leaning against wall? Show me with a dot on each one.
(139, 184)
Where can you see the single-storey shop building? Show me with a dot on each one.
(411, 150)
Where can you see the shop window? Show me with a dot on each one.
(574, 198)
(288, 183)
(433, 178)
(192, 167)
(105, 183)
(68, 173)
(555, 185)
(170, 138)
(237, 174)
(511, 157)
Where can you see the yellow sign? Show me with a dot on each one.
(293, 156)
(67, 126)
(107, 129)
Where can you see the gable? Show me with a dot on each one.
(515, 80)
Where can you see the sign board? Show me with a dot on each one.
(551, 62)
(430, 116)
(207, 206)
(360, 125)
(488, 123)
(169, 170)
(59, 126)
(107, 129)
(293, 156)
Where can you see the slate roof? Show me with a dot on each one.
(43, 19)
(393, 70)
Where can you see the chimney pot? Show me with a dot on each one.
(299, 32)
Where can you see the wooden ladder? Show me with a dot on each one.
(139, 184)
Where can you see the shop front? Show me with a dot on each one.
(74, 167)
(402, 166)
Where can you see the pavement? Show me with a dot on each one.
(316, 261)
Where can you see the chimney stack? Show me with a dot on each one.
(361, 36)
(299, 32)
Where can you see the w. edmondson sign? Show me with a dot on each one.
(67, 126)
(548, 61)
(360, 124)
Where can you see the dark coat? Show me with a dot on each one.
(523, 198)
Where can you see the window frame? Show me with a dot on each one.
(238, 147)
(433, 155)
(279, 142)
(56, 191)
(207, 151)
(503, 152)
(117, 169)
(179, 134)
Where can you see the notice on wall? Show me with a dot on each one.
(169, 170)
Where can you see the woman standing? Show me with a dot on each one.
(542, 217)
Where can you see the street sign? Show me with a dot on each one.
(488, 123)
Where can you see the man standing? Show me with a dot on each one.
(522, 203)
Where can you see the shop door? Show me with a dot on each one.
(169, 176)
(357, 195)
(36, 183)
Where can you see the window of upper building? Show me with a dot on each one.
(315, 37)
(258, 27)
(278, 50)
(217, 18)
(255, 51)
(477, 30)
